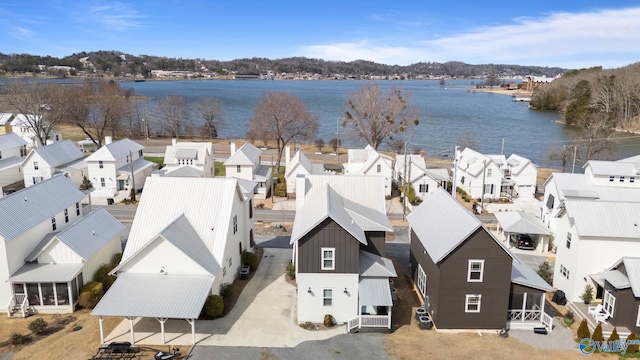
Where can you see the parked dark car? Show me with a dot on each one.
(522, 241)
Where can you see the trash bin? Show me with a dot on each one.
(394, 294)
(109, 201)
(420, 312)
(425, 322)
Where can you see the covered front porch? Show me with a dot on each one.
(527, 299)
(581, 310)
(374, 304)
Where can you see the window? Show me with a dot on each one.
(422, 281)
(609, 302)
(0, 154)
(127, 159)
(611, 178)
(472, 303)
(424, 188)
(250, 209)
(327, 297)
(140, 153)
(102, 182)
(621, 178)
(101, 164)
(489, 172)
(35, 165)
(53, 223)
(238, 169)
(550, 201)
(379, 168)
(23, 151)
(638, 319)
(231, 260)
(328, 258)
(78, 209)
(462, 180)
(568, 240)
(475, 271)
(66, 215)
(632, 179)
(564, 271)
(235, 224)
(488, 188)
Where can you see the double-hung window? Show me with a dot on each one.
(609, 302)
(475, 271)
(422, 281)
(35, 165)
(564, 272)
(101, 164)
(327, 297)
(66, 215)
(568, 240)
(53, 223)
(102, 184)
(472, 303)
(235, 224)
(77, 209)
(328, 258)
(424, 188)
(379, 168)
(238, 169)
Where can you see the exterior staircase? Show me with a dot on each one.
(18, 306)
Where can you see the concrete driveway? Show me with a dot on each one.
(264, 316)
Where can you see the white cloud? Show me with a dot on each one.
(21, 33)
(605, 37)
(117, 16)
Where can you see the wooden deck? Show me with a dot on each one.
(580, 310)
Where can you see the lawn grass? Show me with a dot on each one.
(156, 159)
(219, 169)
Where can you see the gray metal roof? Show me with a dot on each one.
(521, 222)
(583, 194)
(374, 292)
(442, 224)
(617, 279)
(10, 162)
(185, 153)
(139, 164)
(607, 219)
(362, 189)
(29, 207)
(518, 163)
(198, 151)
(522, 274)
(59, 153)
(86, 236)
(632, 266)
(246, 155)
(299, 159)
(10, 141)
(581, 183)
(156, 296)
(116, 150)
(33, 255)
(611, 168)
(246, 186)
(186, 171)
(35, 272)
(367, 218)
(372, 265)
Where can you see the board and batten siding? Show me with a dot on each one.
(59, 253)
(311, 305)
(418, 255)
(161, 253)
(625, 311)
(328, 234)
(103, 256)
(375, 242)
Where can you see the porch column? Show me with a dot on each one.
(359, 315)
(101, 330)
(389, 309)
(193, 329)
(133, 339)
(524, 306)
(162, 321)
(72, 301)
(542, 307)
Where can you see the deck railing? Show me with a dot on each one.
(524, 315)
(369, 321)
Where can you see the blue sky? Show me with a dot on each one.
(572, 34)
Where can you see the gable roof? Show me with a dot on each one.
(442, 224)
(372, 265)
(185, 171)
(29, 207)
(632, 268)
(300, 159)
(579, 185)
(365, 190)
(58, 154)
(196, 151)
(18, 120)
(605, 218)
(85, 237)
(522, 274)
(610, 168)
(472, 161)
(521, 222)
(116, 150)
(206, 203)
(518, 163)
(359, 161)
(247, 154)
(10, 141)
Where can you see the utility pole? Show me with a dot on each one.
(133, 179)
(484, 173)
(575, 151)
(502, 151)
(404, 181)
(338, 139)
(146, 127)
(272, 189)
(455, 172)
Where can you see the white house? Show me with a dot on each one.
(19, 124)
(58, 158)
(299, 165)
(13, 150)
(424, 181)
(523, 173)
(110, 167)
(87, 145)
(245, 164)
(186, 240)
(369, 162)
(473, 169)
(339, 248)
(197, 156)
(26, 218)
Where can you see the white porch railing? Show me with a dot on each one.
(369, 321)
(524, 315)
(547, 320)
(18, 301)
(353, 323)
(12, 304)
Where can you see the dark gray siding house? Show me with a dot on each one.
(621, 297)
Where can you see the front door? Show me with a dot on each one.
(120, 184)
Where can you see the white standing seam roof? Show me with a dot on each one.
(198, 151)
(607, 219)
(359, 161)
(36, 272)
(73, 166)
(522, 274)
(14, 161)
(617, 279)
(438, 174)
(518, 163)
(183, 153)
(207, 204)
(116, 150)
(374, 292)
(362, 189)
(579, 185)
(139, 164)
(471, 161)
(372, 265)
(632, 268)
(59, 153)
(86, 236)
(29, 207)
(632, 159)
(10, 141)
(521, 222)
(610, 168)
(247, 154)
(299, 159)
(442, 224)
(155, 296)
(185, 171)
(246, 187)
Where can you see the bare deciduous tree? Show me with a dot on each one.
(174, 113)
(376, 115)
(319, 144)
(284, 118)
(212, 112)
(467, 140)
(334, 144)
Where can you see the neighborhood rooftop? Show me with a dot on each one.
(605, 218)
(247, 154)
(59, 153)
(11, 140)
(116, 150)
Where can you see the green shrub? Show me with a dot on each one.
(583, 330)
(249, 258)
(568, 315)
(281, 189)
(19, 339)
(86, 184)
(90, 294)
(291, 271)
(587, 295)
(38, 326)
(597, 333)
(115, 260)
(410, 193)
(546, 272)
(226, 290)
(214, 306)
(633, 348)
(467, 200)
(614, 335)
(102, 276)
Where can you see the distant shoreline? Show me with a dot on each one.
(498, 90)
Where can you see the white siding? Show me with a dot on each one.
(425, 180)
(246, 172)
(108, 172)
(163, 253)
(473, 184)
(44, 170)
(10, 175)
(103, 256)
(311, 307)
(291, 179)
(525, 181)
(59, 253)
(386, 171)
